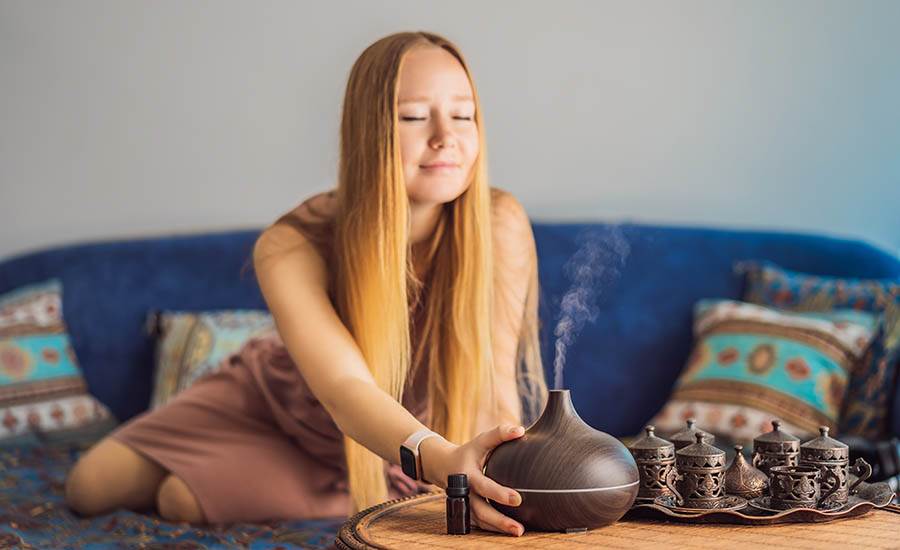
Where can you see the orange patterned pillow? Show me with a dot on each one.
(43, 395)
(751, 364)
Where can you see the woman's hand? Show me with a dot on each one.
(441, 458)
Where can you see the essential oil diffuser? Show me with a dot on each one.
(570, 475)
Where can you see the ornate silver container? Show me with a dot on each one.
(775, 448)
(655, 458)
(830, 455)
(799, 487)
(687, 436)
(700, 475)
(742, 479)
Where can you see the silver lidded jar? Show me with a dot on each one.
(775, 448)
(655, 457)
(829, 454)
(688, 435)
(699, 478)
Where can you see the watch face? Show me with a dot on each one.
(408, 462)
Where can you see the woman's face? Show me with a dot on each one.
(436, 118)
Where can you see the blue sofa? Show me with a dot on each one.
(620, 369)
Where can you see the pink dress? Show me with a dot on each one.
(253, 443)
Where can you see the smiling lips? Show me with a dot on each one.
(440, 165)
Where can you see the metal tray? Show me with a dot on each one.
(868, 497)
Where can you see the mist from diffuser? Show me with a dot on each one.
(594, 266)
(570, 476)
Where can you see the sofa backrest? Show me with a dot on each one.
(109, 288)
(620, 368)
(624, 364)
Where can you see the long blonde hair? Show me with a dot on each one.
(375, 287)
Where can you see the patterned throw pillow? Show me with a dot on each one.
(751, 364)
(43, 395)
(871, 386)
(192, 344)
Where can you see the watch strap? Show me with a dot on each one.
(412, 443)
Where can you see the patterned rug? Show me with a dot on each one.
(33, 515)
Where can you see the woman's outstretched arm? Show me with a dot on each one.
(515, 272)
(293, 279)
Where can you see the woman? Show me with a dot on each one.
(405, 300)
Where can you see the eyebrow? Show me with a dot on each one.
(426, 98)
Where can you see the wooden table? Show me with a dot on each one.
(420, 522)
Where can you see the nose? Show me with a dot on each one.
(442, 136)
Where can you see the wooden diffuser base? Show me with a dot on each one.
(570, 475)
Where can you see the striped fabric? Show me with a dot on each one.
(751, 364)
(43, 395)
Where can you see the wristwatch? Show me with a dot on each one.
(410, 459)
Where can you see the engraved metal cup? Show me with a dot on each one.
(799, 487)
(655, 458)
(698, 480)
(775, 448)
(830, 455)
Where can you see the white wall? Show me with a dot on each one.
(129, 118)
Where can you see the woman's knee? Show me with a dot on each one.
(79, 482)
(111, 475)
(176, 502)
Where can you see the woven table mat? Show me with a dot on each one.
(420, 522)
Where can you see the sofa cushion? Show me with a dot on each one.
(43, 396)
(871, 386)
(193, 344)
(751, 364)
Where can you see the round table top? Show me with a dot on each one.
(420, 522)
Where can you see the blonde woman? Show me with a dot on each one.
(405, 302)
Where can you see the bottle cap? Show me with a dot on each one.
(457, 485)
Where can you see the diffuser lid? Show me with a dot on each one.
(560, 453)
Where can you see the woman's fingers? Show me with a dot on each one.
(489, 518)
(491, 438)
(486, 516)
(406, 485)
(487, 487)
(400, 481)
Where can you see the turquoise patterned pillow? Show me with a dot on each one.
(872, 384)
(43, 395)
(751, 364)
(193, 344)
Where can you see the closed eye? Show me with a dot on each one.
(415, 118)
